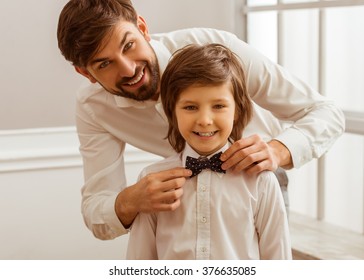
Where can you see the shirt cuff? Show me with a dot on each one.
(111, 218)
(298, 146)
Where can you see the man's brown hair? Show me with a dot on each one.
(206, 65)
(83, 24)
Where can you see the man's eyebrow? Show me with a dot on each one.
(100, 59)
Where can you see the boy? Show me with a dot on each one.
(223, 215)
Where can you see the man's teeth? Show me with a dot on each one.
(137, 79)
(206, 134)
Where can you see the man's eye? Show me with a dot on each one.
(128, 46)
(104, 64)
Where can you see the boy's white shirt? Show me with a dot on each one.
(222, 216)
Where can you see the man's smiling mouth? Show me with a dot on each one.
(136, 79)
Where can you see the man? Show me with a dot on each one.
(110, 45)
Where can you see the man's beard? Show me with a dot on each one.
(145, 92)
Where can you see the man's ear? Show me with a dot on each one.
(84, 72)
(143, 27)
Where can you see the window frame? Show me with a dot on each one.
(354, 119)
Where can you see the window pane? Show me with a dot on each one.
(300, 44)
(344, 183)
(261, 2)
(262, 33)
(298, 1)
(345, 57)
(302, 189)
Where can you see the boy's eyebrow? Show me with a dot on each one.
(100, 59)
(193, 101)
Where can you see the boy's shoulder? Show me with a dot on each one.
(165, 164)
(262, 181)
(267, 181)
(266, 175)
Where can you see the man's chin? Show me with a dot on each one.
(137, 97)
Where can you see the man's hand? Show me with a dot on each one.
(155, 192)
(254, 155)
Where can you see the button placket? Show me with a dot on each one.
(203, 215)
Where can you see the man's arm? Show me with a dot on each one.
(315, 121)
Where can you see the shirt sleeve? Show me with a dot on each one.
(271, 220)
(142, 238)
(316, 122)
(104, 175)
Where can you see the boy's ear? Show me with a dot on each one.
(143, 27)
(84, 72)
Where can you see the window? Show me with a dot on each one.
(321, 42)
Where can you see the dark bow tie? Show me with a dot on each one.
(196, 165)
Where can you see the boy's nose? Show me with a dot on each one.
(204, 119)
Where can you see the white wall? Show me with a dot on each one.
(167, 15)
(40, 182)
(38, 86)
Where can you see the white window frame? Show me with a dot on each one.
(354, 120)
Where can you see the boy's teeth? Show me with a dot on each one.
(206, 134)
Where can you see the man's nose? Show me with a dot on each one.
(126, 66)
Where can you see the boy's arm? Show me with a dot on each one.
(142, 239)
(271, 220)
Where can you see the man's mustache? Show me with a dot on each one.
(126, 80)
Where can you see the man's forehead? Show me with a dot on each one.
(115, 38)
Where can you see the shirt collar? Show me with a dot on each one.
(163, 56)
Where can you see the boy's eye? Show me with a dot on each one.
(219, 106)
(190, 107)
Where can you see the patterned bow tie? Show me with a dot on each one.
(196, 165)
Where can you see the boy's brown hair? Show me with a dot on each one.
(83, 24)
(207, 65)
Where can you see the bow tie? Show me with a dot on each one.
(196, 165)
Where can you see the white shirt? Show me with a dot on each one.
(222, 216)
(106, 122)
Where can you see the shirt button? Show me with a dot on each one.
(203, 188)
(203, 249)
(203, 219)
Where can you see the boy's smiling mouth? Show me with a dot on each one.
(205, 134)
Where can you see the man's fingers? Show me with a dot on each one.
(246, 157)
(173, 173)
(168, 201)
(247, 162)
(170, 192)
(173, 205)
(235, 147)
